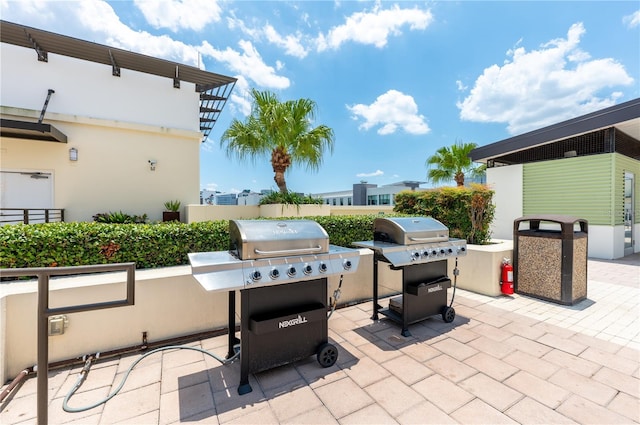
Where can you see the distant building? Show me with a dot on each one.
(246, 197)
(226, 199)
(364, 193)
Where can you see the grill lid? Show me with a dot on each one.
(258, 239)
(409, 230)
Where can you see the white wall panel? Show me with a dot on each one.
(506, 182)
(88, 89)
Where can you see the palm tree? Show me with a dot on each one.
(282, 130)
(452, 163)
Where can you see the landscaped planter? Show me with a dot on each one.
(171, 216)
(480, 268)
(287, 210)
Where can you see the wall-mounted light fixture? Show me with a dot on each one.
(73, 154)
(152, 164)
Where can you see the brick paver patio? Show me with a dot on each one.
(504, 359)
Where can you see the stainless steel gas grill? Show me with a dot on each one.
(419, 247)
(281, 269)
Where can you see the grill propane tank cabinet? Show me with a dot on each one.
(419, 248)
(281, 268)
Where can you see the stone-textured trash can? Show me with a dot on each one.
(550, 257)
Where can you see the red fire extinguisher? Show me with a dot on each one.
(506, 277)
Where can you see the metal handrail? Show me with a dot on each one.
(44, 312)
(27, 215)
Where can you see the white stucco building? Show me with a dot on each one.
(89, 128)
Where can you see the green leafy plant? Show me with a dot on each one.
(173, 206)
(119, 218)
(467, 212)
(290, 198)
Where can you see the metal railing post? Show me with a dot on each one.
(44, 311)
(43, 349)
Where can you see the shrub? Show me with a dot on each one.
(467, 212)
(74, 244)
(119, 218)
(290, 198)
(173, 206)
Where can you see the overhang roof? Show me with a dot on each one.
(31, 131)
(214, 88)
(624, 117)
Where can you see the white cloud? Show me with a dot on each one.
(240, 97)
(179, 14)
(391, 110)
(460, 85)
(558, 81)
(374, 27)
(290, 43)
(248, 63)
(633, 20)
(211, 186)
(374, 174)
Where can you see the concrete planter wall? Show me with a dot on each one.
(285, 210)
(480, 268)
(169, 303)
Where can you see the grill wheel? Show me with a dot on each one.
(448, 314)
(327, 355)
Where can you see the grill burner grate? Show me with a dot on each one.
(270, 252)
(404, 241)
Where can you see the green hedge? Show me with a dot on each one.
(148, 245)
(73, 244)
(167, 244)
(467, 212)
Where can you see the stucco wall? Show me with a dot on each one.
(507, 184)
(88, 89)
(169, 303)
(117, 124)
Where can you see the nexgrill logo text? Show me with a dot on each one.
(295, 321)
(434, 289)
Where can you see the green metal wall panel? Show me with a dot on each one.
(622, 164)
(581, 187)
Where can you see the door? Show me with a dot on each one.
(25, 190)
(629, 213)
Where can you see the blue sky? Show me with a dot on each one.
(394, 80)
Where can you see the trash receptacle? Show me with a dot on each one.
(550, 258)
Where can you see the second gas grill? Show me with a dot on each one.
(417, 247)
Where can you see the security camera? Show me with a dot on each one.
(152, 162)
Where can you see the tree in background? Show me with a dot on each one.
(282, 130)
(451, 163)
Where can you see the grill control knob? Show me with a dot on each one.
(346, 264)
(434, 253)
(450, 251)
(274, 274)
(462, 249)
(307, 269)
(291, 271)
(425, 253)
(415, 256)
(322, 268)
(442, 252)
(256, 275)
